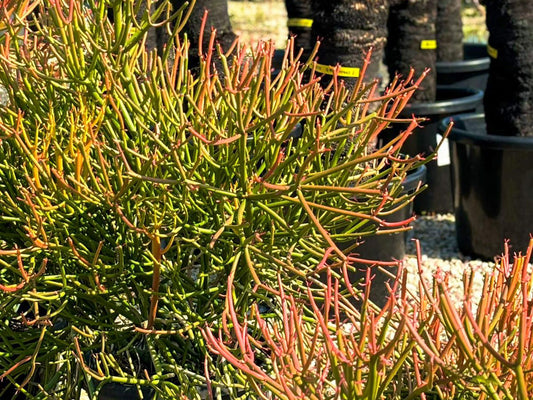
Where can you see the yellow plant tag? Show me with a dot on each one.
(300, 23)
(428, 44)
(347, 72)
(492, 51)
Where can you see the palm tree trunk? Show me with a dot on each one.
(218, 18)
(449, 31)
(412, 43)
(300, 21)
(347, 30)
(509, 96)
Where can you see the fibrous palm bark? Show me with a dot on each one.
(509, 96)
(412, 43)
(347, 29)
(449, 29)
(218, 18)
(300, 22)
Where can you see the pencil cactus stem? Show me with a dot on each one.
(156, 279)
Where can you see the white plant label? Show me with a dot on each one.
(443, 155)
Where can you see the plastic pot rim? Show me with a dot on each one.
(464, 136)
(470, 99)
(462, 66)
(413, 178)
(457, 67)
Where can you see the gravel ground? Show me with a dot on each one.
(3, 96)
(436, 234)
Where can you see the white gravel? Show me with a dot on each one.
(3, 96)
(440, 254)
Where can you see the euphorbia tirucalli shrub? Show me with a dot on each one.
(426, 344)
(15, 8)
(318, 346)
(482, 345)
(132, 188)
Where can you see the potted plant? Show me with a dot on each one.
(487, 190)
(491, 153)
(132, 188)
(480, 340)
(318, 346)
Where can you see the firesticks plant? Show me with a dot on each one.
(131, 188)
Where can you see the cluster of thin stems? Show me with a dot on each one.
(426, 345)
(132, 188)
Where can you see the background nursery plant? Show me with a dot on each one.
(482, 346)
(423, 345)
(132, 188)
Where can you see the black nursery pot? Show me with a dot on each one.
(471, 72)
(277, 58)
(387, 247)
(392, 246)
(437, 197)
(492, 179)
